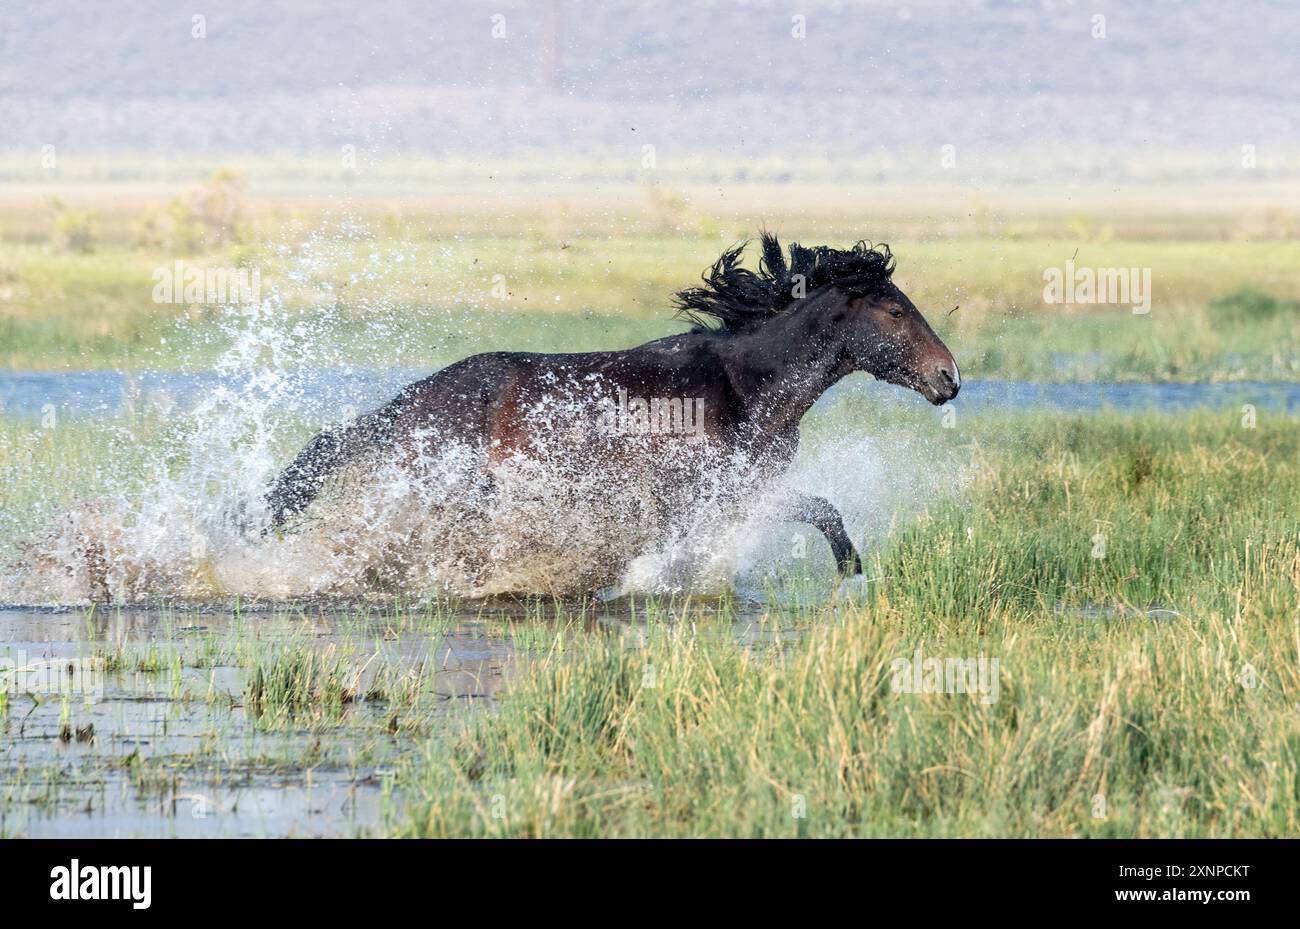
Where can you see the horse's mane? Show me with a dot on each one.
(734, 297)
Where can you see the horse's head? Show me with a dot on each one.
(890, 339)
(847, 303)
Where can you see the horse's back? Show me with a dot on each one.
(674, 363)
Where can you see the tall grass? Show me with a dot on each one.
(1147, 689)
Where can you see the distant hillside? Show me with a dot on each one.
(723, 79)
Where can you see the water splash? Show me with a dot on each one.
(193, 525)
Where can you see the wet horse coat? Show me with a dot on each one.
(766, 345)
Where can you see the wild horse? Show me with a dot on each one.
(765, 345)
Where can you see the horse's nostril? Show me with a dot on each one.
(947, 379)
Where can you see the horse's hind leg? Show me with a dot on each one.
(822, 515)
(475, 504)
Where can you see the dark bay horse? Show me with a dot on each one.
(765, 345)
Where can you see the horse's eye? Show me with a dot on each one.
(896, 313)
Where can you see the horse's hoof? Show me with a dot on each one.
(853, 589)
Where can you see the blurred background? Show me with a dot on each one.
(544, 174)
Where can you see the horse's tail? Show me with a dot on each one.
(306, 475)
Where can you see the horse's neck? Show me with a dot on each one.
(782, 366)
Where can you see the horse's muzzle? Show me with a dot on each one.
(941, 383)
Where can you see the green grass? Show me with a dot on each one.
(1161, 678)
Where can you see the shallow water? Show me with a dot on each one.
(175, 750)
(165, 744)
(73, 393)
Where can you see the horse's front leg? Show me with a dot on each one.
(822, 515)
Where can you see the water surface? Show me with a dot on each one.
(31, 393)
(138, 723)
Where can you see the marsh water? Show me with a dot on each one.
(33, 393)
(143, 723)
(156, 736)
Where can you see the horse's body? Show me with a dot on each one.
(675, 408)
